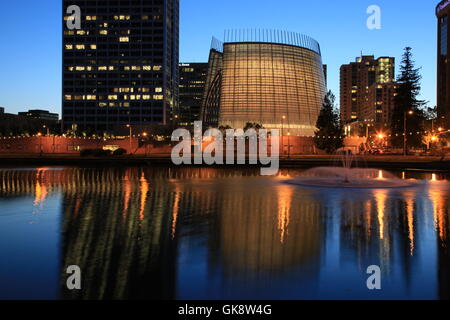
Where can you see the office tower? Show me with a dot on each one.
(273, 78)
(443, 65)
(362, 85)
(192, 85)
(121, 66)
(40, 115)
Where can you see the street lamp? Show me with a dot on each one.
(282, 131)
(40, 143)
(48, 129)
(130, 135)
(381, 137)
(410, 112)
(289, 145)
(145, 135)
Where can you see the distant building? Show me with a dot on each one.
(40, 115)
(2, 110)
(192, 86)
(380, 104)
(443, 65)
(367, 89)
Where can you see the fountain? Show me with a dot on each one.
(347, 176)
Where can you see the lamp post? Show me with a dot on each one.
(289, 145)
(145, 135)
(405, 139)
(40, 143)
(130, 135)
(48, 129)
(381, 137)
(282, 131)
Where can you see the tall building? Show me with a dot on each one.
(363, 86)
(192, 86)
(273, 78)
(443, 65)
(40, 115)
(380, 104)
(121, 66)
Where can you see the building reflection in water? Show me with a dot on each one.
(156, 233)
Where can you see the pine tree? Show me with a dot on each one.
(405, 101)
(329, 136)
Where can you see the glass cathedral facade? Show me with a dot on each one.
(121, 66)
(275, 79)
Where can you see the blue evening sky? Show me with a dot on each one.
(30, 50)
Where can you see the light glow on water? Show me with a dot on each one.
(204, 233)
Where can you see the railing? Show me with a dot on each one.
(267, 36)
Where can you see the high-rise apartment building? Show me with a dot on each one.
(192, 86)
(364, 86)
(443, 65)
(121, 66)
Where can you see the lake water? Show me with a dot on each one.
(204, 233)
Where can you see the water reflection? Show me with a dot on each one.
(191, 233)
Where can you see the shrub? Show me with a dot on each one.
(86, 152)
(102, 153)
(119, 152)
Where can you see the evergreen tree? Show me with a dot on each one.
(329, 136)
(405, 101)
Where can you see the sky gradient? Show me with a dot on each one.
(30, 53)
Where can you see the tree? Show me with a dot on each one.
(405, 101)
(431, 113)
(329, 136)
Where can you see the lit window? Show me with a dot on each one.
(103, 32)
(69, 46)
(102, 68)
(157, 97)
(124, 39)
(147, 68)
(80, 46)
(157, 68)
(158, 90)
(93, 47)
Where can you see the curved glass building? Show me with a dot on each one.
(273, 78)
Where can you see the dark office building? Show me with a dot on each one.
(192, 86)
(443, 65)
(40, 115)
(121, 66)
